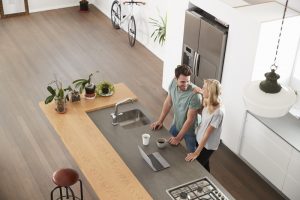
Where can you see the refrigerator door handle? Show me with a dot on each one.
(197, 64)
(194, 64)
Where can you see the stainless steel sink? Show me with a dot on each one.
(132, 119)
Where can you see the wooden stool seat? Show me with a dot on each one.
(65, 177)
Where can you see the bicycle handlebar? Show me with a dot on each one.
(134, 2)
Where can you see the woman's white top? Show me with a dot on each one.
(214, 119)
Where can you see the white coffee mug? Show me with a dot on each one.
(146, 139)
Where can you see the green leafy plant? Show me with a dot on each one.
(57, 92)
(160, 29)
(105, 87)
(81, 83)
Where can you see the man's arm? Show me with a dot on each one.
(191, 115)
(165, 110)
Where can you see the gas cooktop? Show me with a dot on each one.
(200, 189)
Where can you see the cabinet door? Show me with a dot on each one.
(291, 186)
(265, 151)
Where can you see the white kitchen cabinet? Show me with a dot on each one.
(291, 186)
(265, 151)
(271, 146)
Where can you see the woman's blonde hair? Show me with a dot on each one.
(214, 91)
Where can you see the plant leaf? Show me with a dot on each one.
(68, 88)
(51, 90)
(78, 84)
(49, 99)
(81, 89)
(159, 33)
(78, 80)
(60, 93)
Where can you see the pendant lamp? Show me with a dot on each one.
(268, 98)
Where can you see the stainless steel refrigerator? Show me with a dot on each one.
(204, 45)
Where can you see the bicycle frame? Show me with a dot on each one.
(127, 16)
(117, 18)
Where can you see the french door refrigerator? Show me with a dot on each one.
(204, 45)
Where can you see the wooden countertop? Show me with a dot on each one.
(102, 166)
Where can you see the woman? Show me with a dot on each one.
(209, 131)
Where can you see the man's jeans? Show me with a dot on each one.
(189, 138)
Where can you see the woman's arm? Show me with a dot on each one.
(201, 144)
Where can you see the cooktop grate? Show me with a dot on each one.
(200, 189)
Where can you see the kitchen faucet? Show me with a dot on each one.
(115, 114)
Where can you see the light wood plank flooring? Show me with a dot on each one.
(72, 44)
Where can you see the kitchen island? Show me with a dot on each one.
(112, 172)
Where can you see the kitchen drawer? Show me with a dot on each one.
(294, 166)
(291, 188)
(266, 142)
(265, 151)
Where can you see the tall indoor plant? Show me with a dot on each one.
(160, 26)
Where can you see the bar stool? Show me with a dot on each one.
(65, 178)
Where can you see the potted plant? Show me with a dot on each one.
(58, 93)
(160, 29)
(84, 5)
(74, 94)
(87, 85)
(105, 88)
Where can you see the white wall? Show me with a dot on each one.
(152, 9)
(287, 50)
(176, 15)
(41, 5)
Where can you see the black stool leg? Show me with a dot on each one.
(72, 193)
(61, 195)
(81, 193)
(67, 192)
(53, 192)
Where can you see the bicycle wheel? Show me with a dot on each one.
(115, 14)
(131, 31)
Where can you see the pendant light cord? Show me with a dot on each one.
(274, 66)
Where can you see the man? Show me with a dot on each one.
(185, 105)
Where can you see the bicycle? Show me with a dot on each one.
(117, 21)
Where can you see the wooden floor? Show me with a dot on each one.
(71, 45)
